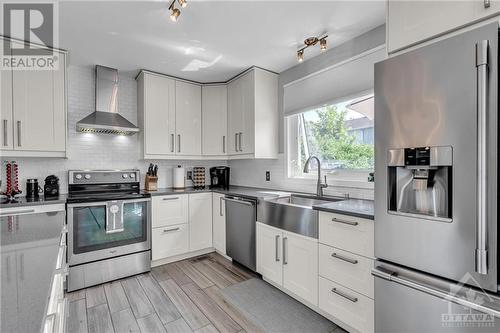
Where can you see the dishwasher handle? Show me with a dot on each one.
(240, 201)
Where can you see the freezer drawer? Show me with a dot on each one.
(406, 301)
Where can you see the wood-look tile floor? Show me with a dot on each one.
(174, 298)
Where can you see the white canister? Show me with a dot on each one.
(178, 177)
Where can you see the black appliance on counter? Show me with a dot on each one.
(219, 177)
(51, 187)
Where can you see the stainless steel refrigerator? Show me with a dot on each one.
(436, 193)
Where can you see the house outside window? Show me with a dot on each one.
(340, 134)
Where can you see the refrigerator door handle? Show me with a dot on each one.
(481, 254)
(419, 286)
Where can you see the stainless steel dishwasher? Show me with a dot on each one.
(241, 216)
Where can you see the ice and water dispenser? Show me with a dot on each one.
(420, 182)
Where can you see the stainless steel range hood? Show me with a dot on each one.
(106, 118)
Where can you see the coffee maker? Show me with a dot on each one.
(51, 188)
(219, 177)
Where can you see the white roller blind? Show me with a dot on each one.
(346, 79)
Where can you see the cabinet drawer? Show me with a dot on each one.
(346, 305)
(348, 269)
(347, 233)
(169, 210)
(170, 241)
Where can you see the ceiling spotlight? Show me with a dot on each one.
(175, 14)
(322, 44)
(300, 55)
(182, 3)
(311, 41)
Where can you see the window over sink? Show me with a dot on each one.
(340, 134)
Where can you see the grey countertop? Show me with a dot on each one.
(353, 207)
(244, 191)
(23, 201)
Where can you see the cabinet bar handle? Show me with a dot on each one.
(172, 144)
(5, 137)
(241, 135)
(220, 207)
(224, 144)
(19, 133)
(340, 293)
(481, 254)
(235, 141)
(170, 230)
(170, 198)
(353, 223)
(22, 267)
(276, 242)
(178, 143)
(349, 260)
(285, 259)
(486, 3)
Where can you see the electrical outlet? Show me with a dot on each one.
(190, 175)
(268, 176)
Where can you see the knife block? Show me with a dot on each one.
(151, 183)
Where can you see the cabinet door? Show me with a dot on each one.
(409, 22)
(247, 132)
(169, 210)
(6, 110)
(9, 313)
(235, 115)
(169, 241)
(214, 119)
(219, 222)
(200, 221)
(300, 266)
(188, 118)
(39, 109)
(159, 115)
(269, 253)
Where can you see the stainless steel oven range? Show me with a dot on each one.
(109, 227)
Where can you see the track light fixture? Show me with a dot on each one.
(311, 41)
(175, 12)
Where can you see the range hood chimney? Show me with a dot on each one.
(106, 118)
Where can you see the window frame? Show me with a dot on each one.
(340, 177)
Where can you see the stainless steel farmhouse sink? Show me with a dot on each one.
(293, 213)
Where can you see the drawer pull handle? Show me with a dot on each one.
(170, 230)
(353, 223)
(170, 198)
(342, 294)
(349, 260)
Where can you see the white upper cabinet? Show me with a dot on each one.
(33, 111)
(214, 120)
(188, 118)
(156, 97)
(253, 115)
(411, 22)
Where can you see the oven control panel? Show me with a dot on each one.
(103, 176)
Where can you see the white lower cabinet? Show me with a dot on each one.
(289, 260)
(170, 210)
(219, 223)
(200, 221)
(352, 308)
(170, 241)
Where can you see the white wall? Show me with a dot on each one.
(97, 151)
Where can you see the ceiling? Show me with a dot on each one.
(212, 40)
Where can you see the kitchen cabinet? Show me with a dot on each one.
(219, 222)
(169, 241)
(156, 97)
(34, 111)
(188, 118)
(200, 221)
(411, 22)
(253, 115)
(169, 210)
(289, 260)
(214, 120)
